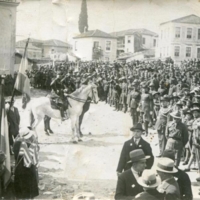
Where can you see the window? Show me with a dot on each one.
(177, 51)
(54, 56)
(189, 33)
(129, 39)
(188, 51)
(52, 51)
(177, 32)
(96, 44)
(198, 34)
(154, 42)
(143, 40)
(108, 45)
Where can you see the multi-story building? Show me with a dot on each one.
(135, 40)
(180, 39)
(95, 45)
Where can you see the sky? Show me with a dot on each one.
(58, 19)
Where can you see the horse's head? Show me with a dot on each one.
(94, 93)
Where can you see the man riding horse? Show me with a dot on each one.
(58, 94)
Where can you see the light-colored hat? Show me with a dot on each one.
(149, 179)
(137, 155)
(166, 165)
(25, 132)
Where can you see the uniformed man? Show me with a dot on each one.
(58, 94)
(177, 136)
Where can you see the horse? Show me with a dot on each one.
(41, 107)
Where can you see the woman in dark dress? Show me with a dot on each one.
(26, 176)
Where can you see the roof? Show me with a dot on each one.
(23, 44)
(52, 42)
(133, 31)
(56, 43)
(95, 33)
(189, 19)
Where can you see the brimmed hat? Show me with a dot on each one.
(25, 132)
(195, 109)
(166, 165)
(138, 126)
(165, 98)
(155, 92)
(149, 179)
(176, 114)
(137, 155)
(179, 103)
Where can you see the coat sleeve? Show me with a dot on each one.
(148, 152)
(122, 159)
(121, 190)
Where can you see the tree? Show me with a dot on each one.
(83, 18)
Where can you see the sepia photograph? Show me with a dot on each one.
(100, 99)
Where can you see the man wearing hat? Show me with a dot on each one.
(169, 187)
(177, 136)
(149, 181)
(182, 177)
(133, 103)
(161, 122)
(195, 152)
(136, 142)
(127, 185)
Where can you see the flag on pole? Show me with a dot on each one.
(5, 147)
(22, 82)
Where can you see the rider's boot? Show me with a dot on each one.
(62, 113)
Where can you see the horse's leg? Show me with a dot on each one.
(77, 129)
(45, 125)
(73, 125)
(36, 122)
(80, 123)
(49, 127)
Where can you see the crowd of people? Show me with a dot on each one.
(158, 95)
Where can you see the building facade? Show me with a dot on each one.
(135, 40)
(7, 36)
(44, 49)
(180, 39)
(95, 45)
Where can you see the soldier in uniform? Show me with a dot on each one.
(146, 106)
(134, 102)
(123, 96)
(161, 122)
(177, 136)
(195, 138)
(58, 94)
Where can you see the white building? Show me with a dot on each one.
(180, 39)
(135, 40)
(95, 45)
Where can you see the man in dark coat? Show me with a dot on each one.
(136, 142)
(13, 121)
(127, 185)
(183, 179)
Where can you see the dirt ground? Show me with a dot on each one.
(90, 166)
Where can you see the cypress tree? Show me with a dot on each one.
(83, 18)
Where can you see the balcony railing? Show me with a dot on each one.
(120, 45)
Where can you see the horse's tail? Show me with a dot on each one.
(25, 100)
(31, 118)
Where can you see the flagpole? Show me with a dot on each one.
(13, 92)
(2, 77)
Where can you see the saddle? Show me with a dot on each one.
(56, 102)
